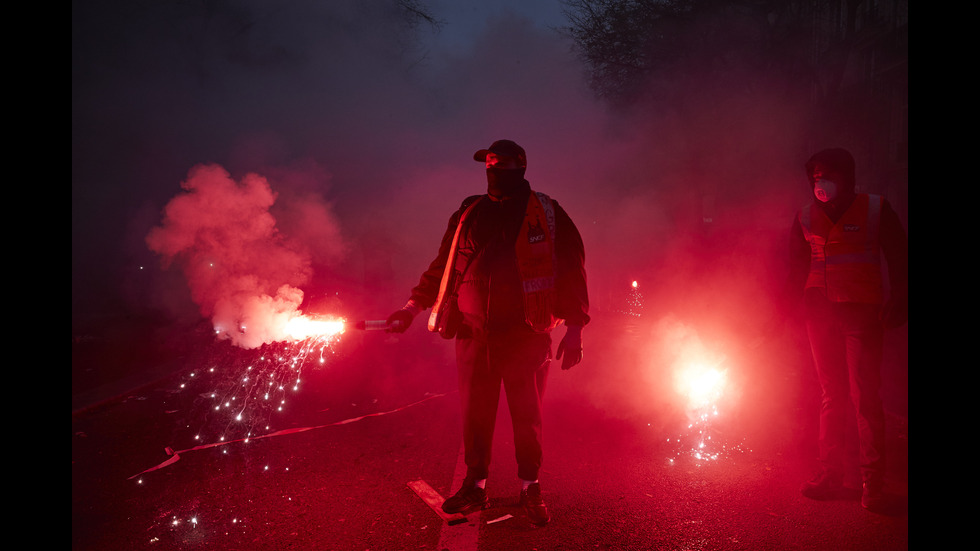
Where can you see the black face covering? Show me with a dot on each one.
(503, 182)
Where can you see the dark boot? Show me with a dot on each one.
(469, 496)
(534, 506)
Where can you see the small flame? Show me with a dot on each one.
(304, 327)
(703, 385)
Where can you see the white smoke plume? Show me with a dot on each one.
(243, 273)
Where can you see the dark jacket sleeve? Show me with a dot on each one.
(425, 293)
(895, 245)
(573, 294)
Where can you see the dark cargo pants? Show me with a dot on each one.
(846, 340)
(520, 363)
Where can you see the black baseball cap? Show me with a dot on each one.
(503, 148)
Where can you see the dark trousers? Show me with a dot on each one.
(846, 339)
(520, 363)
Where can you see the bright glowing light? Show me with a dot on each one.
(304, 327)
(634, 300)
(701, 379)
(703, 385)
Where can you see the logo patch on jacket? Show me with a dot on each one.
(852, 227)
(535, 234)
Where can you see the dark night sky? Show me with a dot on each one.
(376, 121)
(364, 130)
(345, 108)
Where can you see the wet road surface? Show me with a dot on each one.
(382, 411)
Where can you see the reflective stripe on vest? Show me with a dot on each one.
(845, 258)
(537, 263)
(433, 324)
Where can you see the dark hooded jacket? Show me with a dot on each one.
(892, 236)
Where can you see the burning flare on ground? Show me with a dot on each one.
(702, 385)
(701, 382)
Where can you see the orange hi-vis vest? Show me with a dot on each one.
(536, 262)
(845, 258)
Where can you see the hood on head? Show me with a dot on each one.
(840, 161)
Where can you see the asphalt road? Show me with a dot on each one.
(330, 470)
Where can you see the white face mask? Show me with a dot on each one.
(825, 190)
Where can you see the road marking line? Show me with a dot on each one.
(463, 537)
(434, 501)
(498, 519)
(175, 455)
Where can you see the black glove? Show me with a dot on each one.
(570, 347)
(399, 321)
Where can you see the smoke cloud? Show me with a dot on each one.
(695, 204)
(243, 273)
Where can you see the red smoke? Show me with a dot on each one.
(242, 272)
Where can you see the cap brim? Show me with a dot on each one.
(481, 155)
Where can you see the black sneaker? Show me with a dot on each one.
(825, 485)
(468, 497)
(534, 506)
